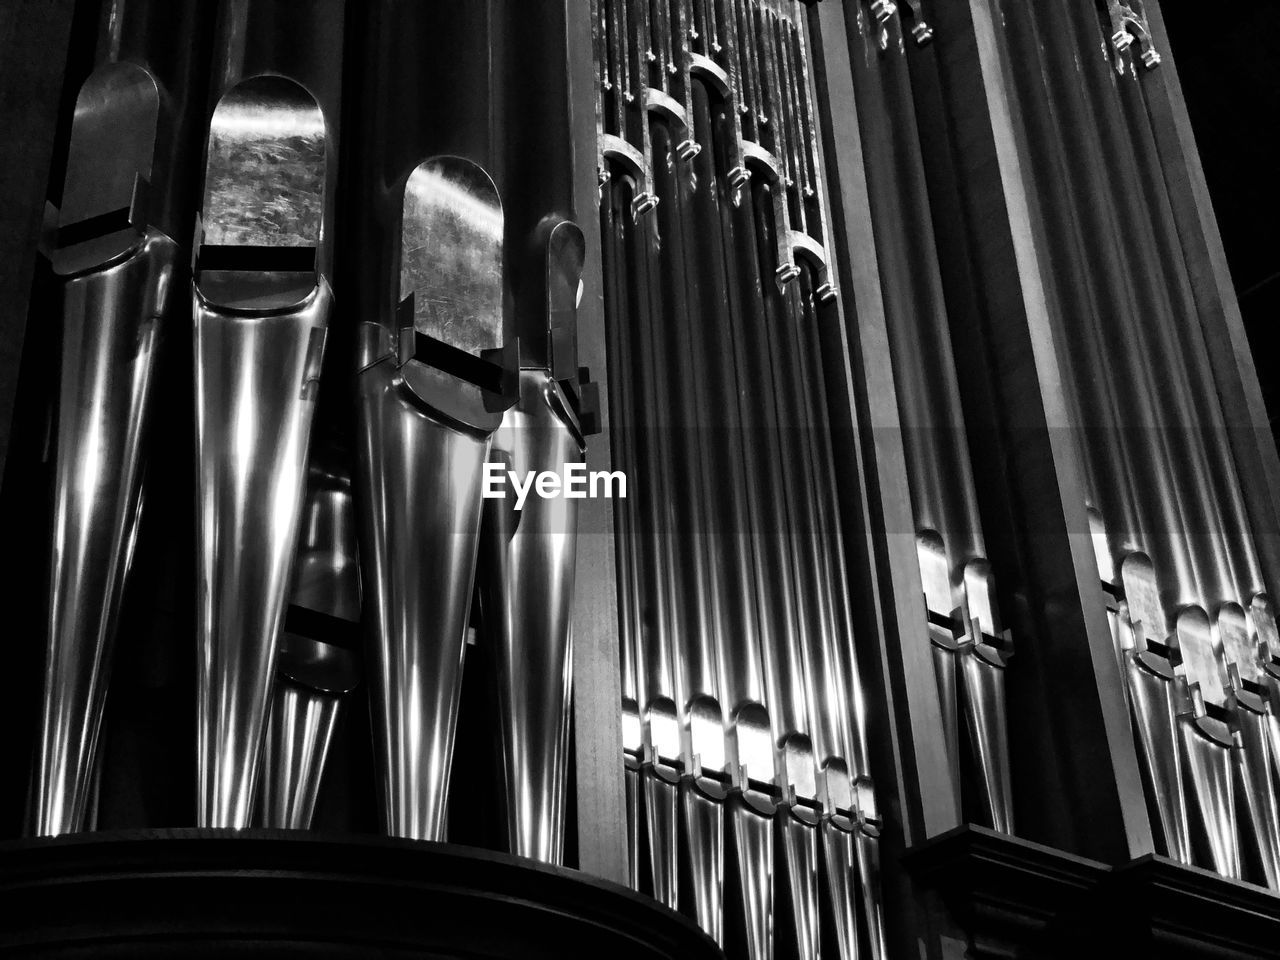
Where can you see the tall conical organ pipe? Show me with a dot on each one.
(424, 437)
(528, 558)
(126, 212)
(262, 301)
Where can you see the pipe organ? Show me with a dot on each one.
(934, 535)
(740, 673)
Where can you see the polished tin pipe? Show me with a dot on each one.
(1226, 521)
(434, 168)
(632, 582)
(625, 296)
(418, 553)
(1100, 386)
(529, 560)
(666, 622)
(1206, 735)
(1168, 465)
(126, 209)
(113, 318)
(299, 733)
(716, 349)
(964, 626)
(424, 439)
(850, 826)
(803, 664)
(704, 590)
(529, 557)
(262, 301)
(319, 660)
(254, 401)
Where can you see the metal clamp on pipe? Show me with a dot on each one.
(125, 197)
(262, 302)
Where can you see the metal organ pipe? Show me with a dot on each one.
(1223, 529)
(1154, 590)
(704, 111)
(1205, 739)
(702, 589)
(1164, 477)
(478, 347)
(319, 659)
(653, 751)
(1243, 619)
(262, 301)
(963, 622)
(1102, 392)
(126, 215)
(749, 795)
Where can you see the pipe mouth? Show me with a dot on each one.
(265, 177)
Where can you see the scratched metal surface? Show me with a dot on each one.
(266, 167)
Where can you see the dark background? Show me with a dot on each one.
(1228, 58)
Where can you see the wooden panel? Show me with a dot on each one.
(597, 684)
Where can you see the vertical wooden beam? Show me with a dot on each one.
(597, 683)
(902, 681)
(1006, 338)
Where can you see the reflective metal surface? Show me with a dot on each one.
(418, 483)
(113, 141)
(1154, 700)
(112, 318)
(262, 302)
(255, 395)
(753, 841)
(266, 167)
(299, 731)
(112, 249)
(451, 254)
(959, 586)
(424, 437)
(983, 673)
(704, 818)
(800, 841)
(527, 571)
(1209, 753)
(319, 660)
(715, 268)
(662, 809)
